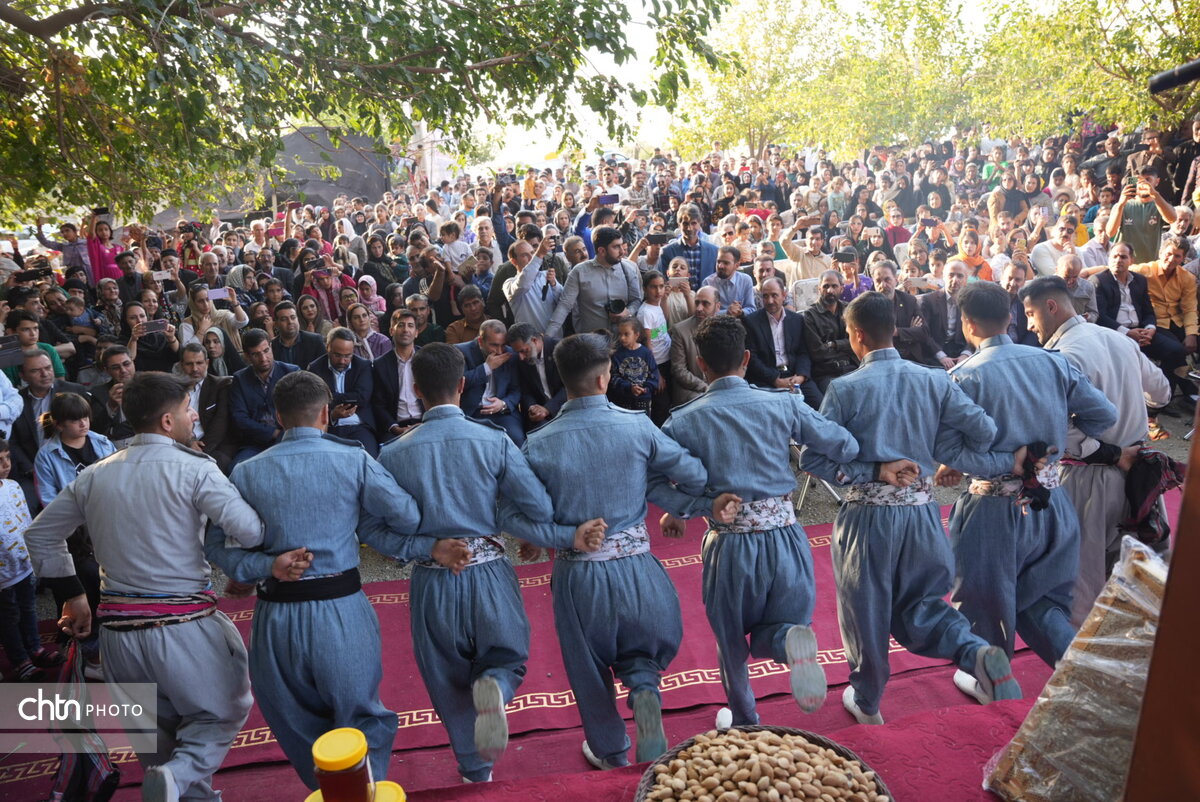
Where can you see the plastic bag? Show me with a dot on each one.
(1077, 740)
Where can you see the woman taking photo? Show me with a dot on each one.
(149, 350)
(203, 316)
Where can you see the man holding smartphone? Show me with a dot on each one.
(1140, 216)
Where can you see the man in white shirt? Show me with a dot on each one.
(533, 293)
(1095, 252)
(1045, 255)
(1093, 470)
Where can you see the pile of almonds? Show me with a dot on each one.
(736, 766)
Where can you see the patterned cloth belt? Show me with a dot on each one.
(881, 494)
(1010, 485)
(759, 516)
(626, 543)
(125, 612)
(484, 549)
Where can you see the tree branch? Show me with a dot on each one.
(55, 23)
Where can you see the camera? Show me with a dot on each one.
(615, 306)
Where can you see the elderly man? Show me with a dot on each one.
(943, 320)
(912, 340)
(600, 292)
(1095, 252)
(825, 333)
(534, 291)
(778, 352)
(1045, 255)
(542, 391)
(687, 380)
(1093, 469)
(1083, 292)
(735, 290)
(493, 388)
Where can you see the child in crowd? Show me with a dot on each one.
(635, 377)
(454, 250)
(654, 321)
(18, 612)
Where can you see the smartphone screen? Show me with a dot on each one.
(218, 294)
(609, 200)
(156, 326)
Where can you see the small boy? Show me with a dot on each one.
(83, 328)
(454, 250)
(18, 588)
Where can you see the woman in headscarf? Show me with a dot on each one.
(324, 284)
(380, 267)
(203, 316)
(241, 280)
(368, 296)
(906, 198)
(223, 359)
(368, 343)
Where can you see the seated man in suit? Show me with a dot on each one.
(394, 402)
(108, 418)
(493, 390)
(911, 340)
(542, 391)
(350, 383)
(943, 320)
(291, 345)
(1012, 279)
(252, 395)
(210, 398)
(687, 380)
(26, 438)
(1123, 298)
(775, 340)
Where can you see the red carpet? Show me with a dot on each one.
(545, 702)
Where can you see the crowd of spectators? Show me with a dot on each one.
(644, 250)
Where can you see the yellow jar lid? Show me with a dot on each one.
(340, 749)
(389, 792)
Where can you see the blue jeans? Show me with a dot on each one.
(18, 621)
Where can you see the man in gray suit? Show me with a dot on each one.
(687, 380)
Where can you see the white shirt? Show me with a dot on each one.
(407, 404)
(1115, 365)
(194, 402)
(655, 322)
(339, 387)
(1044, 257)
(777, 336)
(530, 295)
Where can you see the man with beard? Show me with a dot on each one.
(825, 333)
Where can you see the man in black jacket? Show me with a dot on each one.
(542, 391)
(943, 320)
(775, 340)
(108, 418)
(26, 437)
(825, 333)
(394, 402)
(912, 340)
(292, 345)
(349, 380)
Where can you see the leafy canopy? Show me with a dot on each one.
(143, 103)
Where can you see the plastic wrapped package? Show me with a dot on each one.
(1077, 740)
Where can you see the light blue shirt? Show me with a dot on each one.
(339, 386)
(739, 288)
(900, 410)
(743, 435)
(456, 468)
(598, 460)
(1031, 394)
(315, 490)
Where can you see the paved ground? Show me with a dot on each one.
(819, 507)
